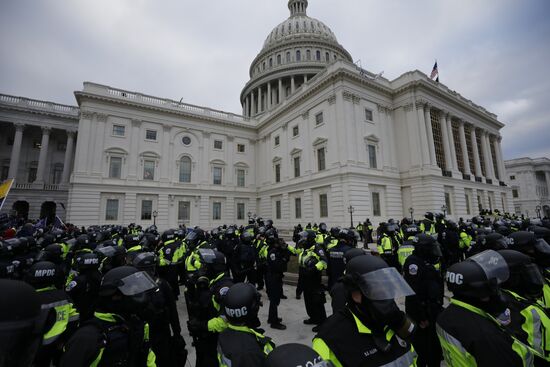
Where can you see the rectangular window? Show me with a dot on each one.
(240, 148)
(376, 210)
(218, 144)
(115, 167)
(298, 208)
(57, 172)
(323, 205)
(512, 178)
(321, 159)
(277, 173)
(479, 203)
(517, 209)
(119, 130)
(458, 146)
(448, 203)
(240, 211)
(216, 210)
(296, 130)
(32, 175)
(5, 172)
(217, 176)
(438, 139)
(61, 147)
(146, 209)
(372, 156)
(111, 209)
(368, 114)
(319, 118)
(184, 208)
(468, 209)
(296, 166)
(515, 193)
(278, 209)
(149, 170)
(240, 178)
(150, 134)
(277, 140)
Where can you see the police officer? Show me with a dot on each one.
(277, 259)
(56, 308)
(388, 245)
(406, 249)
(529, 321)
(162, 316)
(114, 336)
(212, 283)
(240, 345)
(427, 225)
(338, 290)
(295, 355)
(336, 252)
(21, 327)
(469, 333)
(425, 305)
(370, 330)
(261, 247)
(110, 257)
(83, 284)
(169, 260)
(245, 258)
(313, 261)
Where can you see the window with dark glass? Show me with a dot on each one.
(448, 203)
(218, 144)
(240, 211)
(295, 131)
(298, 208)
(149, 170)
(111, 209)
(240, 148)
(277, 172)
(288, 57)
(184, 209)
(515, 193)
(278, 59)
(372, 156)
(318, 55)
(217, 175)
(298, 56)
(296, 166)
(308, 55)
(270, 62)
(278, 209)
(151, 134)
(321, 159)
(277, 140)
(146, 209)
(240, 178)
(319, 118)
(115, 167)
(185, 169)
(376, 211)
(216, 211)
(323, 205)
(368, 114)
(119, 130)
(32, 175)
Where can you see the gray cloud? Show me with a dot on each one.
(493, 52)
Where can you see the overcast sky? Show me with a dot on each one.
(494, 52)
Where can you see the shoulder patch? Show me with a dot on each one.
(167, 251)
(223, 291)
(413, 269)
(70, 286)
(272, 257)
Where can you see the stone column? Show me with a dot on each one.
(69, 151)
(268, 96)
(501, 161)
(429, 131)
(16, 150)
(305, 78)
(423, 134)
(292, 85)
(252, 103)
(259, 102)
(247, 101)
(42, 158)
(454, 161)
(489, 170)
(464, 147)
(445, 138)
(280, 91)
(477, 162)
(500, 171)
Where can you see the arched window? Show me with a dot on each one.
(185, 169)
(327, 57)
(308, 55)
(278, 59)
(270, 62)
(288, 57)
(318, 55)
(298, 56)
(263, 66)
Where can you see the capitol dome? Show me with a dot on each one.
(293, 52)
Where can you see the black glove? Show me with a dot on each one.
(196, 326)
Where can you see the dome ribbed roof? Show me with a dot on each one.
(299, 25)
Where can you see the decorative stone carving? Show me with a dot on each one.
(332, 99)
(305, 115)
(101, 117)
(86, 115)
(408, 107)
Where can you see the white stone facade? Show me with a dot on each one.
(317, 136)
(530, 182)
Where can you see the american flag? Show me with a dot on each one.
(435, 73)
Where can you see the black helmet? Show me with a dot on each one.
(20, 323)
(146, 261)
(295, 355)
(53, 253)
(150, 240)
(269, 223)
(427, 247)
(230, 233)
(411, 231)
(335, 231)
(347, 235)
(323, 227)
(46, 239)
(241, 304)
(17, 246)
(131, 240)
(168, 235)
(247, 238)
(195, 238)
(261, 231)
(307, 238)
(87, 261)
(95, 236)
(429, 215)
(271, 236)
(111, 257)
(82, 242)
(525, 276)
(351, 253)
(214, 261)
(527, 243)
(478, 276)
(492, 241)
(541, 232)
(42, 274)
(131, 285)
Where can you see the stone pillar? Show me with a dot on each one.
(16, 150)
(252, 103)
(464, 147)
(423, 134)
(260, 107)
(477, 162)
(69, 151)
(268, 96)
(292, 85)
(489, 170)
(501, 161)
(305, 78)
(445, 138)
(500, 171)
(247, 101)
(280, 91)
(454, 161)
(429, 131)
(43, 157)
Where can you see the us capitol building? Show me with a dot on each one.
(317, 135)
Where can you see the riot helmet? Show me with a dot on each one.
(427, 248)
(295, 355)
(168, 235)
(52, 252)
(87, 262)
(195, 238)
(492, 241)
(146, 261)
(335, 231)
(213, 261)
(411, 231)
(525, 276)
(247, 238)
(527, 243)
(241, 304)
(307, 238)
(46, 239)
(42, 274)
(352, 253)
(131, 240)
(347, 235)
(81, 242)
(323, 227)
(429, 216)
(271, 236)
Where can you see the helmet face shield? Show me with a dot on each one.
(207, 255)
(493, 265)
(384, 284)
(136, 284)
(542, 247)
(532, 279)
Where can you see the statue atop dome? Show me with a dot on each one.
(297, 7)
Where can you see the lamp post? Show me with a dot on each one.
(411, 210)
(351, 209)
(444, 210)
(155, 213)
(538, 209)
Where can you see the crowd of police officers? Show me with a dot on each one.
(107, 295)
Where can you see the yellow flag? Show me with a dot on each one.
(4, 190)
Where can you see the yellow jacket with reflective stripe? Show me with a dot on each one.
(65, 313)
